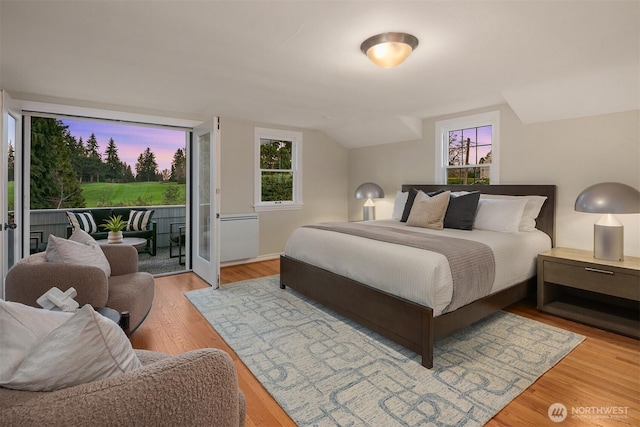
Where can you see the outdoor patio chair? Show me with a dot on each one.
(36, 242)
(177, 239)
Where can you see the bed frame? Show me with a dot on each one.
(409, 324)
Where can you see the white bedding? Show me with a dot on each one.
(420, 276)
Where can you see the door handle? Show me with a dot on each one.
(12, 226)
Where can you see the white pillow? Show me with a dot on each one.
(82, 236)
(80, 249)
(531, 210)
(21, 328)
(398, 205)
(85, 348)
(502, 215)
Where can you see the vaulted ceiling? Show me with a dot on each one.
(298, 63)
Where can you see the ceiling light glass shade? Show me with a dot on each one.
(609, 198)
(389, 49)
(369, 190)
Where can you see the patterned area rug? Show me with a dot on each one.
(324, 370)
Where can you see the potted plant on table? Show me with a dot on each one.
(115, 225)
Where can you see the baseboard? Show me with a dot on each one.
(259, 258)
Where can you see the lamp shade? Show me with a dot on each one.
(609, 198)
(369, 190)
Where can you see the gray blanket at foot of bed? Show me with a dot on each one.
(472, 263)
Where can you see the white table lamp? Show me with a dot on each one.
(609, 198)
(369, 191)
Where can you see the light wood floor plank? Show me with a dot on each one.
(603, 371)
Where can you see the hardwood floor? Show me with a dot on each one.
(602, 374)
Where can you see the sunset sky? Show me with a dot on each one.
(131, 140)
(480, 141)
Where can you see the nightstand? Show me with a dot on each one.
(605, 294)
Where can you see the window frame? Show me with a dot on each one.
(442, 129)
(296, 167)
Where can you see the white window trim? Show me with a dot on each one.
(477, 120)
(284, 135)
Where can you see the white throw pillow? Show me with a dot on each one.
(502, 215)
(21, 328)
(80, 249)
(85, 348)
(531, 210)
(81, 236)
(398, 205)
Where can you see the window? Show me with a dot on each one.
(278, 169)
(467, 149)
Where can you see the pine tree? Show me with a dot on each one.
(78, 156)
(54, 182)
(94, 166)
(146, 167)
(127, 174)
(179, 167)
(114, 167)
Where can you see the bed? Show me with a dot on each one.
(414, 324)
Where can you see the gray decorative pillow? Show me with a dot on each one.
(139, 220)
(80, 249)
(428, 212)
(410, 199)
(82, 221)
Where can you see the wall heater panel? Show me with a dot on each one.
(238, 236)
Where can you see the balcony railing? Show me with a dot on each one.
(54, 221)
(45, 222)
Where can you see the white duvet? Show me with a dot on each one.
(420, 276)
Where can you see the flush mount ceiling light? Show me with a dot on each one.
(389, 49)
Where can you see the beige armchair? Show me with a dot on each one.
(192, 389)
(126, 289)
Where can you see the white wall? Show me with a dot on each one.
(572, 154)
(324, 166)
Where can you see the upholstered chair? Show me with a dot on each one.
(126, 289)
(196, 388)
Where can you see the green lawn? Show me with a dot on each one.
(129, 194)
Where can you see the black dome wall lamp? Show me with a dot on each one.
(389, 49)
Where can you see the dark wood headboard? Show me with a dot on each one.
(546, 219)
